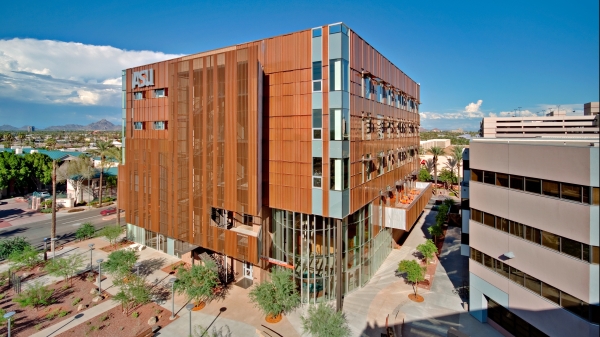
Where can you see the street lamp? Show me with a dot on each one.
(45, 249)
(53, 247)
(99, 261)
(172, 281)
(91, 245)
(189, 307)
(137, 266)
(7, 316)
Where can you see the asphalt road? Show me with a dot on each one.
(66, 225)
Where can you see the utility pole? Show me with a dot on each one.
(53, 228)
(520, 112)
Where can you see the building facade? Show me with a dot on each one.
(298, 150)
(531, 228)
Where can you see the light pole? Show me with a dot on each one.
(7, 316)
(45, 249)
(172, 281)
(189, 307)
(137, 266)
(53, 250)
(99, 261)
(91, 245)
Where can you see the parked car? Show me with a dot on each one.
(109, 211)
(45, 195)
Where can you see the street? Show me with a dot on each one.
(66, 225)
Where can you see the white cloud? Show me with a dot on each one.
(472, 110)
(55, 72)
(473, 107)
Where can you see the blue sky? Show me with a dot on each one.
(60, 61)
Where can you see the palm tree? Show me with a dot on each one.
(21, 136)
(451, 164)
(117, 154)
(102, 150)
(457, 153)
(9, 137)
(436, 151)
(51, 143)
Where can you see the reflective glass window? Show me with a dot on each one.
(317, 166)
(571, 247)
(502, 224)
(335, 29)
(516, 276)
(317, 86)
(550, 240)
(502, 179)
(516, 229)
(533, 284)
(476, 215)
(595, 255)
(477, 175)
(502, 268)
(488, 261)
(550, 293)
(489, 219)
(317, 115)
(532, 234)
(551, 188)
(516, 182)
(476, 255)
(317, 134)
(571, 191)
(317, 70)
(585, 194)
(160, 93)
(489, 177)
(595, 196)
(316, 32)
(533, 185)
(574, 305)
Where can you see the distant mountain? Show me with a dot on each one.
(102, 125)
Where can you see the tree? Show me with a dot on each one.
(41, 168)
(111, 233)
(86, 230)
(132, 293)
(13, 168)
(9, 137)
(447, 177)
(36, 294)
(199, 282)
(28, 257)
(435, 231)
(66, 266)
(451, 165)
(10, 245)
(117, 154)
(424, 175)
(120, 263)
(436, 152)
(21, 136)
(457, 153)
(324, 321)
(428, 249)
(51, 143)
(276, 296)
(414, 272)
(76, 172)
(103, 149)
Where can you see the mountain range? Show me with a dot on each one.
(102, 125)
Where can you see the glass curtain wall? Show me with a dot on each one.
(307, 242)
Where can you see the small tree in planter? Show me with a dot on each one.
(66, 266)
(436, 231)
(133, 293)
(119, 264)
(199, 283)
(428, 249)
(277, 296)
(111, 233)
(28, 257)
(414, 274)
(36, 295)
(87, 230)
(324, 321)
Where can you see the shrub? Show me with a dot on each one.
(198, 282)
(135, 315)
(424, 175)
(276, 296)
(133, 293)
(414, 272)
(436, 231)
(111, 233)
(16, 244)
(66, 266)
(28, 257)
(76, 301)
(35, 295)
(2, 319)
(86, 230)
(46, 210)
(428, 249)
(103, 318)
(324, 321)
(63, 313)
(119, 263)
(449, 202)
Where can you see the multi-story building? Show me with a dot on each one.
(531, 228)
(297, 150)
(553, 125)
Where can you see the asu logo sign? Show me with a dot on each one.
(142, 78)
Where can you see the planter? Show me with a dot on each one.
(199, 306)
(416, 298)
(273, 319)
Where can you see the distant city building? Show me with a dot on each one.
(590, 109)
(30, 128)
(551, 125)
(428, 144)
(530, 213)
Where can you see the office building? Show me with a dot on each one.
(530, 226)
(591, 108)
(298, 150)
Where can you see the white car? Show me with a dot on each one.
(44, 195)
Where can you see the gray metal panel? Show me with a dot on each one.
(316, 49)
(336, 99)
(317, 148)
(171, 246)
(594, 230)
(345, 149)
(335, 46)
(317, 201)
(594, 163)
(345, 99)
(345, 203)
(345, 47)
(317, 100)
(594, 286)
(335, 204)
(335, 149)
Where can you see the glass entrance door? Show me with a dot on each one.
(248, 270)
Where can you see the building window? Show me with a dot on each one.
(489, 177)
(533, 185)
(338, 75)
(317, 134)
(339, 174)
(502, 180)
(317, 75)
(532, 234)
(551, 188)
(138, 95)
(477, 175)
(317, 172)
(369, 167)
(316, 32)
(158, 93)
(339, 124)
(551, 241)
(572, 247)
(571, 192)
(138, 125)
(159, 125)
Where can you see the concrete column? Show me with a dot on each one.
(338, 265)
